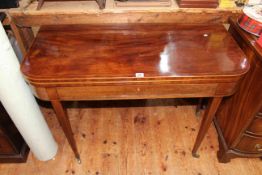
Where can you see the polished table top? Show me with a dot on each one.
(120, 51)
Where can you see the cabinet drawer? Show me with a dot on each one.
(256, 126)
(250, 144)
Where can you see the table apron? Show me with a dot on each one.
(118, 92)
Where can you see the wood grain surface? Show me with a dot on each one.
(181, 17)
(88, 13)
(118, 52)
(133, 137)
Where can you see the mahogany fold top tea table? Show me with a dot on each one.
(133, 61)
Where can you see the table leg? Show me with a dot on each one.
(208, 117)
(63, 119)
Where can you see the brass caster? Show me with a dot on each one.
(78, 160)
(195, 155)
(198, 113)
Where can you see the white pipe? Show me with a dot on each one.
(16, 97)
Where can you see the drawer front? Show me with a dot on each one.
(256, 126)
(136, 91)
(250, 144)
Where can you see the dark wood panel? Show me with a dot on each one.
(5, 146)
(12, 146)
(197, 3)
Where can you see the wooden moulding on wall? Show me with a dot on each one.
(101, 3)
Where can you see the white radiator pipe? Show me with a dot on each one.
(16, 97)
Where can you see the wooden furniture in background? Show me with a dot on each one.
(101, 3)
(239, 120)
(133, 61)
(143, 3)
(13, 148)
(198, 3)
(87, 12)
